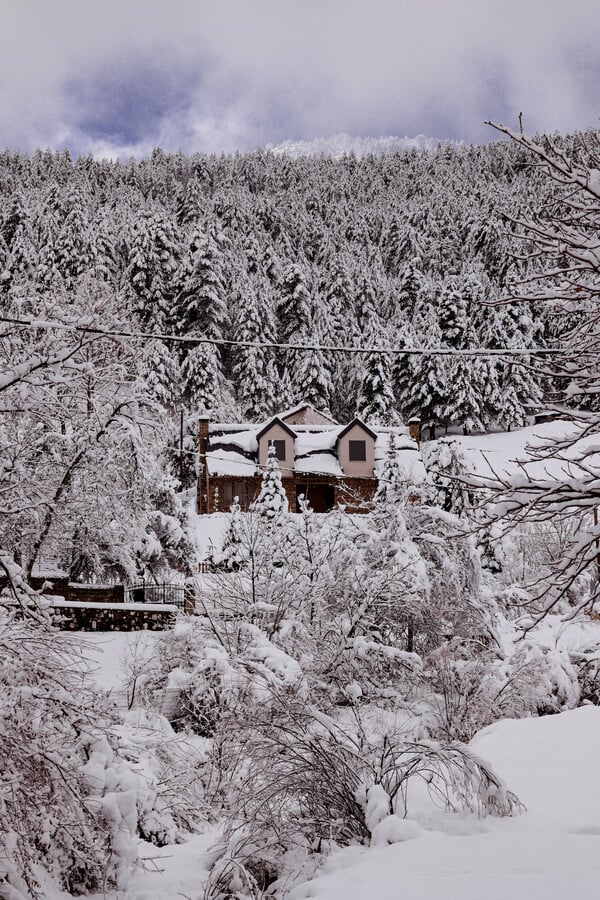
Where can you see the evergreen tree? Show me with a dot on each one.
(272, 502)
(200, 309)
(446, 466)
(151, 265)
(161, 372)
(391, 480)
(234, 550)
(312, 380)
(200, 305)
(201, 377)
(294, 310)
(253, 370)
(425, 378)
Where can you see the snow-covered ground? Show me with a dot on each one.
(491, 454)
(548, 853)
(207, 531)
(110, 654)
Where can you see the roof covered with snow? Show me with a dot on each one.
(228, 462)
(319, 464)
(234, 446)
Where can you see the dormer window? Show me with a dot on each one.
(279, 447)
(357, 451)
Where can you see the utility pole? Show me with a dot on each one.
(181, 447)
(597, 544)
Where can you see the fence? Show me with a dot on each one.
(161, 593)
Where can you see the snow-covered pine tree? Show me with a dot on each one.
(253, 369)
(200, 309)
(234, 550)
(161, 372)
(391, 479)
(376, 401)
(294, 311)
(272, 502)
(424, 378)
(200, 297)
(151, 264)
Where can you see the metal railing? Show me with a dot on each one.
(161, 593)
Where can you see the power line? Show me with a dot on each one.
(35, 324)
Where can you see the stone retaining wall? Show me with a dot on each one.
(122, 617)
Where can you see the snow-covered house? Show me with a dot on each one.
(326, 462)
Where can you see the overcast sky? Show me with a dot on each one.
(123, 76)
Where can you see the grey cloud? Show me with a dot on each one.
(120, 77)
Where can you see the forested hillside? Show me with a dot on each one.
(322, 697)
(394, 250)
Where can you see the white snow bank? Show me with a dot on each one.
(60, 602)
(207, 531)
(171, 872)
(489, 454)
(549, 852)
(107, 653)
(551, 763)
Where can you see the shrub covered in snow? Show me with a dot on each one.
(67, 800)
(309, 783)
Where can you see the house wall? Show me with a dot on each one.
(277, 433)
(245, 487)
(349, 492)
(357, 469)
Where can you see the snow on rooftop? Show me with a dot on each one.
(245, 440)
(84, 604)
(319, 464)
(228, 462)
(300, 406)
(226, 427)
(309, 441)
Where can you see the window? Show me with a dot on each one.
(279, 450)
(357, 451)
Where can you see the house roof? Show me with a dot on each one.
(275, 421)
(300, 406)
(233, 446)
(361, 425)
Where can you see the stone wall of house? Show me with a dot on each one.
(223, 488)
(349, 492)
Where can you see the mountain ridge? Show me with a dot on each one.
(343, 144)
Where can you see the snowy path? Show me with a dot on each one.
(176, 871)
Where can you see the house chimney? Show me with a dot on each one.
(414, 428)
(203, 495)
